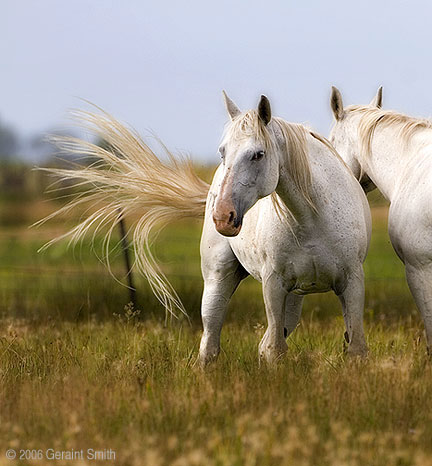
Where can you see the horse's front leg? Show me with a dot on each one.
(216, 296)
(352, 299)
(222, 273)
(293, 308)
(273, 344)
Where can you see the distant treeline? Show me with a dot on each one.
(21, 180)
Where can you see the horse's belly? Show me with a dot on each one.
(308, 285)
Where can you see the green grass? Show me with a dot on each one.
(74, 375)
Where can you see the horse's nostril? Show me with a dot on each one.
(231, 217)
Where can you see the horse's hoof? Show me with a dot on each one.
(357, 352)
(209, 359)
(271, 357)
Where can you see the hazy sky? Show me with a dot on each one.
(161, 65)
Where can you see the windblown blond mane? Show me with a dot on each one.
(371, 118)
(250, 125)
(128, 179)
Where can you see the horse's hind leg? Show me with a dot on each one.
(222, 273)
(419, 280)
(352, 299)
(293, 308)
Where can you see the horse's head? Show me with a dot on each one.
(344, 134)
(250, 166)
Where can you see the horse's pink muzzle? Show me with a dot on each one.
(225, 219)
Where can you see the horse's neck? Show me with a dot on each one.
(390, 159)
(293, 199)
(290, 194)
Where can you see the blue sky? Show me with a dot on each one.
(162, 65)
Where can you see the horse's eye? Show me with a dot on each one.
(258, 155)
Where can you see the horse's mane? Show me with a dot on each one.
(372, 117)
(295, 136)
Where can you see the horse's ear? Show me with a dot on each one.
(231, 107)
(377, 100)
(336, 103)
(264, 110)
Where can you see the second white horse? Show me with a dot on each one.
(393, 152)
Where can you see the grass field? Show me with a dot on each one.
(78, 370)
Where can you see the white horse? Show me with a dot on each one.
(319, 247)
(283, 207)
(393, 152)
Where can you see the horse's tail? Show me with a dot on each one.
(126, 178)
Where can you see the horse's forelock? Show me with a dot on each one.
(294, 137)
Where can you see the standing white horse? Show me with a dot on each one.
(393, 152)
(283, 207)
(319, 246)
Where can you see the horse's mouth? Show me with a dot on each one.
(228, 229)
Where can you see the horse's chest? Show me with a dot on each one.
(312, 278)
(308, 272)
(303, 270)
